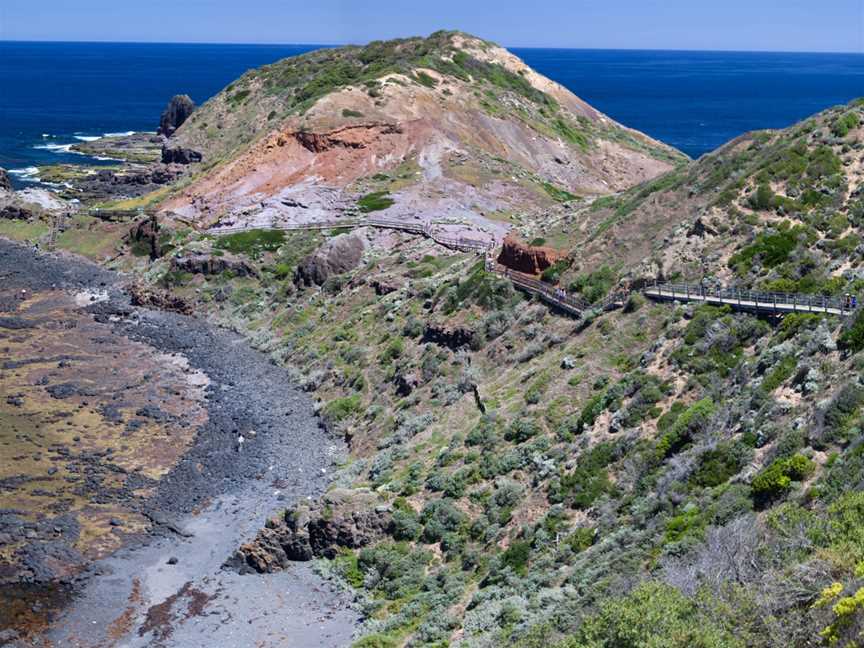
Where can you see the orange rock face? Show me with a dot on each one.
(529, 259)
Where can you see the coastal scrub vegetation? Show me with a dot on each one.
(659, 475)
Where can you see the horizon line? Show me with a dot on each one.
(509, 47)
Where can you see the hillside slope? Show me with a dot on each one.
(672, 475)
(447, 127)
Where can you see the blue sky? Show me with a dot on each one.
(788, 25)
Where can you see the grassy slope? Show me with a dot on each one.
(693, 477)
(692, 480)
(265, 98)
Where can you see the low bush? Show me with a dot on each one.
(588, 480)
(595, 285)
(852, 338)
(376, 201)
(686, 426)
(716, 466)
(341, 408)
(776, 480)
(251, 242)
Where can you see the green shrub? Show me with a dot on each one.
(771, 249)
(347, 565)
(718, 465)
(581, 539)
(779, 374)
(251, 242)
(439, 517)
(521, 430)
(654, 615)
(393, 350)
(340, 409)
(397, 570)
(552, 274)
(852, 338)
(482, 288)
(846, 122)
(516, 557)
(595, 285)
(686, 425)
(376, 201)
(557, 194)
(776, 480)
(424, 79)
(406, 525)
(588, 480)
(841, 413)
(413, 327)
(376, 641)
(347, 112)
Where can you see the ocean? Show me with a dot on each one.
(55, 94)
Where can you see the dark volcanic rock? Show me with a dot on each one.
(212, 265)
(406, 383)
(147, 232)
(178, 110)
(158, 299)
(180, 155)
(15, 212)
(337, 256)
(5, 182)
(449, 335)
(341, 518)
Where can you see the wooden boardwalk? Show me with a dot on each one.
(740, 300)
(748, 300)
(463, 244)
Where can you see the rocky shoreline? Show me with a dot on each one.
(261, 448)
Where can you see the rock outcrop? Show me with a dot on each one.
(178, 110)
(341, 518)
(15, 212)
(180, 155)
(529, 259)
(208, 264)
(5, 182)
(146, 233)
(339, 255)
(158, 299)
(449, 335)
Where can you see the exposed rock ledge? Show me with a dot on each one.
(529, 259)
(341, 518)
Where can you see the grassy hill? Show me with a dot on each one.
(659, 475)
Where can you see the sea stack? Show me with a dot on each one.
(5, 182)
(176, 112)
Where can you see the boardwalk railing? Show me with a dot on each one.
(750, 300)
(428, 230)
(555, 295)
(747, 300)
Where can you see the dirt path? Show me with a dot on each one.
(171, 590)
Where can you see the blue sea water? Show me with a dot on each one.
(54, 94)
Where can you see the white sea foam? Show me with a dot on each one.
(126, 134)
(27, 174)
(87, 138)
(56, 148)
